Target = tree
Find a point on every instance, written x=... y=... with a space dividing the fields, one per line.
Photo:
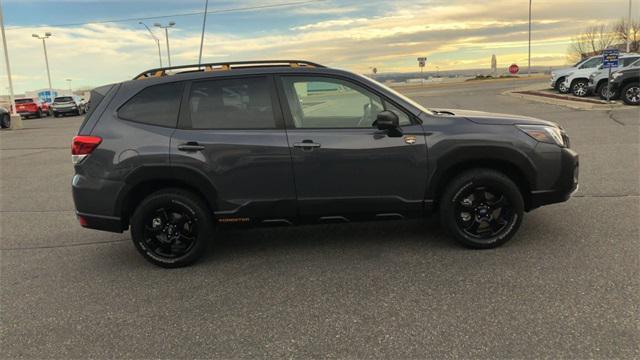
x=623 y=31
x=592 y=41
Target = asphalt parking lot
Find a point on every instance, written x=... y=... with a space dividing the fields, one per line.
x=567 y=286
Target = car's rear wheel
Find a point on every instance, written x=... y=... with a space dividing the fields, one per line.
x=580 y=88
x=481 y=208
x=172 y=228
x=631 y=94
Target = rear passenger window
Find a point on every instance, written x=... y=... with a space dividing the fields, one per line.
x=243 y=103
x=156 y=105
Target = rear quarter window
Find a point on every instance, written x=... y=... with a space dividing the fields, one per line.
x=155 y=105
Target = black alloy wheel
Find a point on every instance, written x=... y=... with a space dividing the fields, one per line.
x=171 y=228
x=483 y=212
x=482 y=208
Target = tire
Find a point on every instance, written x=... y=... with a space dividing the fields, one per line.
x=580 y=87
x=55 y=114
x=560 y=86
x=484 y=200
x=5 y=122
x=631 y=94
x=172 y=228
x=39 y=114
x=602 y=92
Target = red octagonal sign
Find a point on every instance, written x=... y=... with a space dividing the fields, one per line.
x=514 y=69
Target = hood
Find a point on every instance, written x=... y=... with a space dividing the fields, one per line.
x=486 y=118
x=562 y=72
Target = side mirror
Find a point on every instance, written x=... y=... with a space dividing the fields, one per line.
x=387 y=120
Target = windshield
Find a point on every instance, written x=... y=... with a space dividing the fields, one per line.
x=63 y=99
x=403 y=97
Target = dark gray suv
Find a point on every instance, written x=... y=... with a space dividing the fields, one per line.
x=178 y=152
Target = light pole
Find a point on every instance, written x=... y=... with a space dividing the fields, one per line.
x=16 y=120
x=46 y=58
x=166 y=36
x=529 y=67
x=68 y=83
x=156 y=39
x=204 y=23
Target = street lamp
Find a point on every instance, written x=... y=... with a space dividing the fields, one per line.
x=46 y=58
x=16 y=120
x=529 y=67
x=68 y=83
x=166 y=36
x=154 y=38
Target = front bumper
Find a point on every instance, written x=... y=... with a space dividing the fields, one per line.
x=565 y=186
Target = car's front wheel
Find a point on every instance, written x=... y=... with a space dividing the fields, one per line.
x=580 y=88
x=603 y=90
x=561 y=87
x=172 y=228
x=481 y=208
x=631 y=94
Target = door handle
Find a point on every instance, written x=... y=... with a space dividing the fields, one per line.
x=190 y=146
x=306 y=145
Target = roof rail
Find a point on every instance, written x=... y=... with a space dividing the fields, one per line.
x=164 y=71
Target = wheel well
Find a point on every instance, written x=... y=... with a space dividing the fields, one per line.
x=578 y=79
x=504 y=167
x=141 y=190
x=628 y=81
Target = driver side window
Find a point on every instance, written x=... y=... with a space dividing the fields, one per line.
x=321 y=102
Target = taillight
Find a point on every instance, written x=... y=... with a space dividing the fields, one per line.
x=83 y=146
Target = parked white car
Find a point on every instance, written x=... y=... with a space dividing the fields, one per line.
x=598 y=80
x=578 y=81
x=558 y=76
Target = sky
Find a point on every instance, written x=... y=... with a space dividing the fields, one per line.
x=353 y=35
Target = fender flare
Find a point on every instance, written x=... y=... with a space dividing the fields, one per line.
x=192 y=177
x=482 y=156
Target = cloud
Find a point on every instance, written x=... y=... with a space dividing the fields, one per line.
x=453 y=34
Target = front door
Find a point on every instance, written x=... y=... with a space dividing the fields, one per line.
x=343 y=165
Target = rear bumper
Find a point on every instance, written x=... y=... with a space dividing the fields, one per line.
x=100 y=222
x=65 y=110
x=95 y=202
x=566 y=185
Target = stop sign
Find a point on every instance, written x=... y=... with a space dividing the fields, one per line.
x=514 y=69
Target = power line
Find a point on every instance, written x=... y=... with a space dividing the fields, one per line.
x=218 y=11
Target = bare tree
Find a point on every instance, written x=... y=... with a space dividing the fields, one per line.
x=623 y=31
x=592 y=41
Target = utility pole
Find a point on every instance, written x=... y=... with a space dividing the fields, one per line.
x=16 y=120
x=156 y=40
x=166 y=36
x=68 y=83
x=46 y=59
x=204 y=23
x=529 y=67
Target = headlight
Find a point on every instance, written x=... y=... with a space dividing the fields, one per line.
x=616 y=75
x=542 y=133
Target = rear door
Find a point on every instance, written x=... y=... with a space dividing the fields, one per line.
x=343 y=165
x=232 y=129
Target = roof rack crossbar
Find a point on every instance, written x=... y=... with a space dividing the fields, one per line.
x=156 y=72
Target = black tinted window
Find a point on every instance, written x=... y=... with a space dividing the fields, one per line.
x=243 y=103
x=628 y=61
x=63 y=99
x=155 y=105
